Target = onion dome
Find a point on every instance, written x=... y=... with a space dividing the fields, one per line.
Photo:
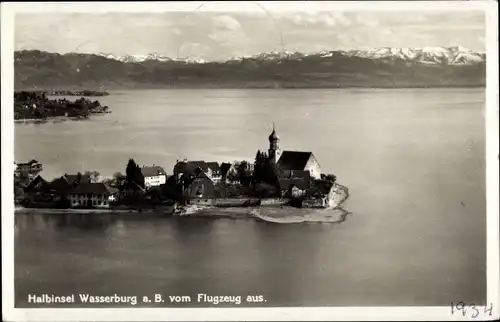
x=273 y=136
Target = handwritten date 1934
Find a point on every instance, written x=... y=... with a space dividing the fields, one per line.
x=472 y=309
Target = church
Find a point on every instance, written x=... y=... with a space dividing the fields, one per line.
x=290 y=162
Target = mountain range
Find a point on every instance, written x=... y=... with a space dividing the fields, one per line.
x=381 y=67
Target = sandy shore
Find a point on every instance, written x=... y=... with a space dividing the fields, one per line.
x=48 y=211
x=275 y=214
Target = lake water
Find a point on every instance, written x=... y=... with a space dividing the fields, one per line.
x=413 y=159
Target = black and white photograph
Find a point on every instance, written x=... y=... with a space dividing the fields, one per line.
x=250 y=161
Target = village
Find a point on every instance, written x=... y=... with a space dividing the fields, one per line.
x=275 y=177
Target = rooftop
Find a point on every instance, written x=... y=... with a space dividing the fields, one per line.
x=32 y=162
x=294 y=160
x=152 y=171
x=74 y=178
x=286 y=184
x=190 y=166
x=94 y=188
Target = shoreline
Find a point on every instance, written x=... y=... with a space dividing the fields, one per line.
x=279 y=214
x=57 y=118
x=272 y=87
x=66 y=92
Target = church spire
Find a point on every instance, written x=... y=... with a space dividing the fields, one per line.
x=274 y=150
x=273 y=136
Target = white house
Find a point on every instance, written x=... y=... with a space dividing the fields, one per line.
x=92 y=195
x=153 y=176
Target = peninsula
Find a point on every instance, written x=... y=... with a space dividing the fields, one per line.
x=276 y=178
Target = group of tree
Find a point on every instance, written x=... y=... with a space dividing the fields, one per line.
x=36 y=105
x=116 y=181
x=264 y=170
x=262 y=181
x=133 y=174
x=329 y=177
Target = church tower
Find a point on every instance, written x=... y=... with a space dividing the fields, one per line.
x=274 y=149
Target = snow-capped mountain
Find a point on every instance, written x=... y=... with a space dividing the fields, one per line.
x=425 y=55
x=384 y=67
x=151 y=56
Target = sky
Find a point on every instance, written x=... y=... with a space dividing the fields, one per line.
x=214 y=35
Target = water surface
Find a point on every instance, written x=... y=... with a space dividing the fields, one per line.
x=413 y=159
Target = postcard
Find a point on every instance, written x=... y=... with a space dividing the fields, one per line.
x=250 y=161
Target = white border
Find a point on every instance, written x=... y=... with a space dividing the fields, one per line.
x=247 y=314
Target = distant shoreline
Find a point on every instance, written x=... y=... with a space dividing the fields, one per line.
x=65 y=92
x=51 y=119
x=255 y=86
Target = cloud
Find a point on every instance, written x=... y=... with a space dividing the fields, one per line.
x=225 y=36
x=150 y=20
x=416 y=18
x=367 y=19
x=326 y=19
x=215 y=35
x=317 y=19
x=388 y=32
x=227 y=32
x=341 y=19
x=226 y=22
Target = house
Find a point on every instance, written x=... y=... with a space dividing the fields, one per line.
x=201 y=190
x=154 y=176
x=37 y=190
x=191 y=169
x=33 y=167
x=36 y=186
x=294 y=183
x=320 y=195
x=60 y=187
x=91 y=195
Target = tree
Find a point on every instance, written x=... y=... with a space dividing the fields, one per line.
x=258 y=174
x=224 y=168
x=330 y=177
x=130 y=170
x=265 y=190
x=94 y=175
x=270 y=172
x=243 y=173
x=155 y=195
x=139 y=177
x=119 y=178
x=232 y=174
x=133 y=174
x=116 y=181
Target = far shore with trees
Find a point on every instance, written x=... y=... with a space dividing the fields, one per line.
x=37 y=105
